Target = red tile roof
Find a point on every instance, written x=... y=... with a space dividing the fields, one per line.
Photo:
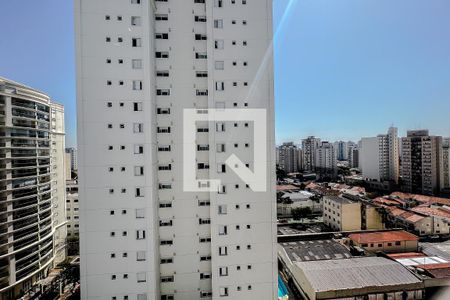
x=406 y=255
x=287 y=187
x=386 y=236
x=422 y=198
x=432 y=211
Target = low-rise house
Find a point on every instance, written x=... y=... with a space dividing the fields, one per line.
x=386 y=241
x=300 y=199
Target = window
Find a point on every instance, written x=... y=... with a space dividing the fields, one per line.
x=162 y=54
x=223 y=291
x=138 y=127
x=161 y=17
x=136 y=42
x=220 y=148
x=200 y=37
x=140 y=213
x=138 y=149
x=167 y=278
x=140 y=256
x=201 y=74
x=161 y=36
x=137 y=85
x=141 y=296
x=220 y=85
x=205 y=275
x=219 y=65
x=223 y=230
x=218 y=44
x=223 y=271
x=136 y=21
x=163 y=92
x=136 y=63
x=222 y=209
x=223 y=251
x=139 y=192
x=220 y=127
x=200 y=18
x=162 y=73
x=218 y=3
x=137 y=106
x=166 y=260
x=218 y=23
x=201 y=55
x=107 y=18
x=221 y=168
x=141 y=277
x=138 y=170
x=135 y=1
x=140 y=234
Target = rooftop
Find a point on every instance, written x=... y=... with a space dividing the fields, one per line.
x=338 y=199
x=313 y=250
x=286 y=187
x=432 y=211
x=385 y=236
x=356 y=273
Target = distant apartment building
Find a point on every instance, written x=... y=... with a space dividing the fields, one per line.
x=341 y=149
x=325 y=159
x=379 y=157
x=32 y=185
x=72 y=209
x=309 y=147
x=343 y=214
x=288 y=156
x=422 y=163
x=353 y=157
x=72 y=152
x=446 y=163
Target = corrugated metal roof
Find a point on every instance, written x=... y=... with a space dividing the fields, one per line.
x=353 y=273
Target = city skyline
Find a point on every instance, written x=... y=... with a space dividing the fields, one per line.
x=405 y=64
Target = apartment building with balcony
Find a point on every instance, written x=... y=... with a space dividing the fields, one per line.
x=72 y=209
x=32 y=187
x=140 y=64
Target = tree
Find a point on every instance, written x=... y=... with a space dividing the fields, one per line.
x=301 y=212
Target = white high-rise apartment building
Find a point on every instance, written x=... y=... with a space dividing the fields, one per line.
x=379 y=157
x=140 y=64
x=32 y=187
x=309 y=147
x=73 y=158
x=325 y=159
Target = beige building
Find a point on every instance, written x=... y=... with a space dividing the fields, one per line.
x=341 y=214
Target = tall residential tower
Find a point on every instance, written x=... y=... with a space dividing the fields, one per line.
x=141 y=64
x=32 y=187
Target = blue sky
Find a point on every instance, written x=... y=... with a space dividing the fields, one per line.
x=344 y=69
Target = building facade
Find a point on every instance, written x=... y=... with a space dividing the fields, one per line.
x=140 y=64
x=379 y=157
x=446 y=163
x=309 y=147
x=341 y=214
x=32 y=184
x=325 y=160
x=422 y=163
x=73 y=209
x=288 y=155
x=72 y=152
